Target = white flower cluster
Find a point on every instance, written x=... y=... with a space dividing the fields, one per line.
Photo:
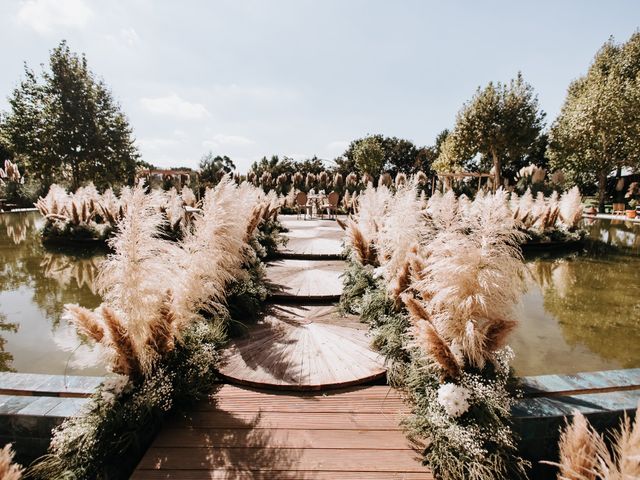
x=454 y=399
x=112 y=387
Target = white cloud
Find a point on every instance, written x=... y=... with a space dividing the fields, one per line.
x=173 y=105
x=46 y=16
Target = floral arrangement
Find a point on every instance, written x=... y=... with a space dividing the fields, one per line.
x=553 y=218
x=166 y=311
x=436 y=281
x=89 y=215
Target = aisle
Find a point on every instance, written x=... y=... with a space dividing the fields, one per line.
x=304 y=343
x=328 y=432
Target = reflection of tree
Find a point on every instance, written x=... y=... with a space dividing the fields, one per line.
x=596 y=300
x=20 y=266
x=5 y=357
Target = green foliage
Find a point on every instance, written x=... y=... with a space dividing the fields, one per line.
x=357 y=280
x=107 y=441
x=399 y=155
x=369 y=156
x=67 y=126
x=270 y=238
x=23 y=195
x=56 y=232
x=246 y=296
x=501 y=123
x=598 y=129
x=213 y=168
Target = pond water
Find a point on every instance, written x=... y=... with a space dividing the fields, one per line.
x=35 y=283
x=581 y=310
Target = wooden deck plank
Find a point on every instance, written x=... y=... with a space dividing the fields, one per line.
x=310 y=420
x=285 y=438
x=165 y=474
x=258 y=458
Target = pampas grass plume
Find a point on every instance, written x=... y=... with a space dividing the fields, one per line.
x=8 y=469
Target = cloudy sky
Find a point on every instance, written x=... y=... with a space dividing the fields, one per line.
x=300 y=77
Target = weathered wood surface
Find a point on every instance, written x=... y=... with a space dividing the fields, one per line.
x=302 y=348
x=305 y=280
x=312 y=239
x=244 y=433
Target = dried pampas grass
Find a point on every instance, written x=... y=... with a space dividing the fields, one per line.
x=8 y=469
x=584 y=454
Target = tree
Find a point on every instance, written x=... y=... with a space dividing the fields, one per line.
x=369 y=156
x=500 y=123
x=448 y=160
x=598 y=129
x=212 y=168
x=67 y=125
x=399 y=155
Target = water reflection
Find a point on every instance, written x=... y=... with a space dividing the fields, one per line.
x=622 y=234
x=17 y=226
x=34 y=286
x=582 y=310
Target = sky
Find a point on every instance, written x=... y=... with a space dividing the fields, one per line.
x=248 y=78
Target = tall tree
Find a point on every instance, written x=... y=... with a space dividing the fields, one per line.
x=500 y=123
x=67 y=125
x=400 y=155
x=598 y=129
x=213 y=168
x=368 y=155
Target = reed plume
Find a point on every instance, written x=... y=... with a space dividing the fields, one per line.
x=584 y=454
x=571 y=207
x=213 y=251
x=578 y=445
x=162 y=329
x=473 y=273
x=134 y=279
x=126 y=358
x=86 y=321
x=385 y=180
x=416 y=310
x=426 y=336
x=8 y=469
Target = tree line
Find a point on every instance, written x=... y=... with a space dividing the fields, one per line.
x=65 y=126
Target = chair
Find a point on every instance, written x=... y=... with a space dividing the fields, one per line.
x=332 y=204
x=301 y=203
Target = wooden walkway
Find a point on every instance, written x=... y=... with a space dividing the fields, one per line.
x=312 y=239
x=247 y=434
x=301 y=346
x=305 y=280
x=308 y=347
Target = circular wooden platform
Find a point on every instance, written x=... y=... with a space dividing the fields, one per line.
x=312 y=239
x=305 y=280
x=302 y=348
